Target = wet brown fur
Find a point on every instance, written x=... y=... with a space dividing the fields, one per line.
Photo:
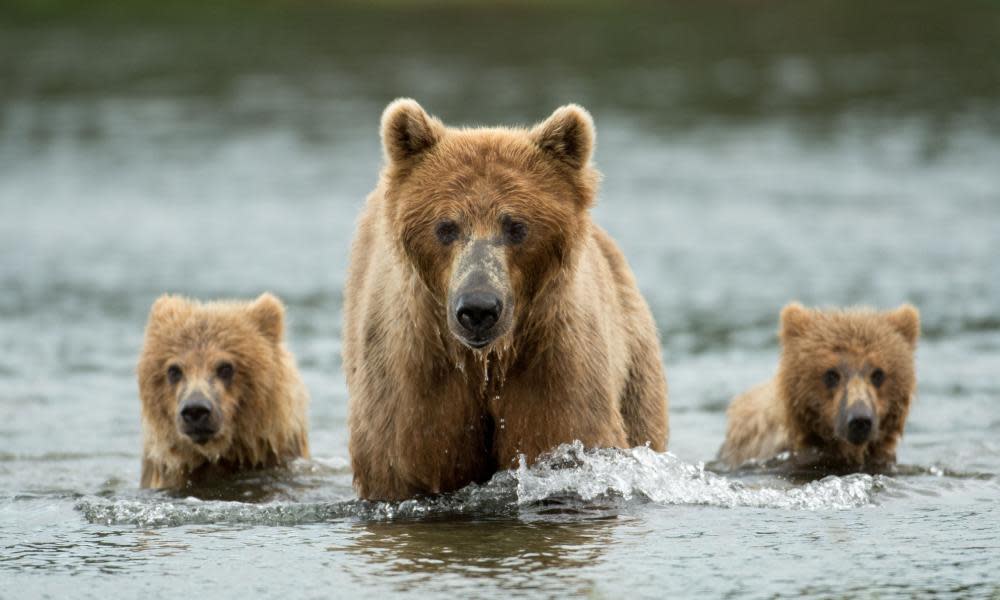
x=582 y=357
x=264 y=420
x=796 y=412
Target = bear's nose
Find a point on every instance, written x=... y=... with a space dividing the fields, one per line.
x=478 y=311
x=858 y=429
x=196 y=412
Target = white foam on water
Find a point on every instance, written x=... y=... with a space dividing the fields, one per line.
x=570 y=475
x=662 y=478
x=191 y=511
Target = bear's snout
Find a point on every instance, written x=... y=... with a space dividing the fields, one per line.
x=858 y=429
x=479 y=295
x=477 y=312
x=197 y=418
x=858 y=422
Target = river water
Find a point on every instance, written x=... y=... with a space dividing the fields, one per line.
x=753 y=153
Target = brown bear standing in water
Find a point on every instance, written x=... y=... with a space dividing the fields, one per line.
x=485 y=314
x=220 y=393
x=841 y=395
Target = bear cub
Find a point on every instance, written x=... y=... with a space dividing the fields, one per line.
x=220 y=393
x=841 y=395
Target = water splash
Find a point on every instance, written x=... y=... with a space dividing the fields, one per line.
x=642 y=474
x=572 y=477
x=156 y=512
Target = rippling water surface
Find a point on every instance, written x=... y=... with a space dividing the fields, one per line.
x=834 y=153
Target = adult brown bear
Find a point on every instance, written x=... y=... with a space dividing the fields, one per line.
x=486 y=316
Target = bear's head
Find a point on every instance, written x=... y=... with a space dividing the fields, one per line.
x=847 y=378
x=206 y=373
x=488 y=218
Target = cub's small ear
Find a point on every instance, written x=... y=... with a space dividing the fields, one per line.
x=795 y=320
x=567 y=135
x=269 y=313
x=408 y=131
x=166 y=307
x=906 y=320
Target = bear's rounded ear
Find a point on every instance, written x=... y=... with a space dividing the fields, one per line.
x=567 y=135
x=166 y=307
x=795 y=320
x=906 y=320
x=408 y=131
x=269 y=314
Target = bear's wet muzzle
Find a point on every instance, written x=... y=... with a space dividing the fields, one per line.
x=857 y=421
x=198 y=418
x=479 y=297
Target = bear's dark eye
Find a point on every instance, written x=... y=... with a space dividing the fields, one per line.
x=831 y=378
x=514 y=231
x=224 y=371
x=174 y=374
x=446 y=231
x=878 y=377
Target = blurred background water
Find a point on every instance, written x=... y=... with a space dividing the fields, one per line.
x=754 y=153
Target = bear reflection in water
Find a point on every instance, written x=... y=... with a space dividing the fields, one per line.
x=502 y=550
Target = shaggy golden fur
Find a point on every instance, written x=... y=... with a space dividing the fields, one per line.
x=260 y=399
x=830 y=361
x=575 y=353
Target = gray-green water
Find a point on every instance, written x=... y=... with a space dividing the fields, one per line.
x=753 y=153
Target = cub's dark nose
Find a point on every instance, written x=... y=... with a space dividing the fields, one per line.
x=477 y=312
x=197 y=418
x=859 y=427
x=196 y=413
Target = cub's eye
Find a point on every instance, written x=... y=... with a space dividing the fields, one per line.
x=174 y=374
x=878 y=377
x=514 y=231
x=446 y=231
x=831 y=378
x=224 y=371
